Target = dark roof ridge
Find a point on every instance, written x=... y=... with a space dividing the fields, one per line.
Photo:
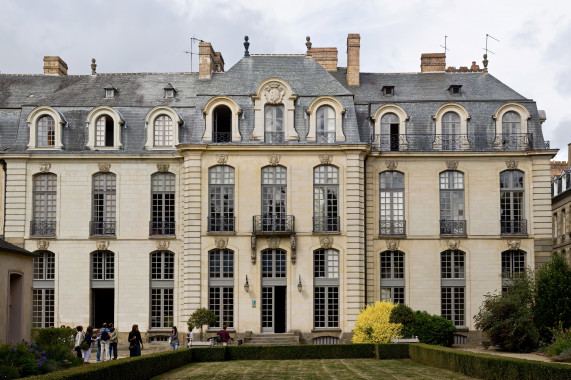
x=98 y=74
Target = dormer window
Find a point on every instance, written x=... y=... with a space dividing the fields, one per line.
x=455 y=88
x=110 y=92
x=388 y=90
x=169 y=91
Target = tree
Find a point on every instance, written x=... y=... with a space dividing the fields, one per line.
x=373 y=324
x=201 y=317
x=553 y=296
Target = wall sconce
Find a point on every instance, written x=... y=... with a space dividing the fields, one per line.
x=247 y=285
x=299 y=285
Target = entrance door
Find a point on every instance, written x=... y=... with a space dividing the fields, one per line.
x=274 y=291
x=102 y=306
x=14 y=332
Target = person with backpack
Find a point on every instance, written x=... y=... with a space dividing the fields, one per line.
x=113 y=340
x=224 y=336
x=104 y=341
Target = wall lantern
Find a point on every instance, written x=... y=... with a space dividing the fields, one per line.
x=247 y=285
x=299 y=285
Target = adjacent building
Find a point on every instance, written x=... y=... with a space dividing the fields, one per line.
x=561 y=207
x=284 y=194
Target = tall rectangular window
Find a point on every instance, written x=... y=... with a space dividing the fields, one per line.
x=453 y=279
x=162 y=289
x=513 y=263
x=103 y=265
x=511 y=203
x=44 y=205
x=326 y=199
x=391 y=203
x=274 y=124
x=43 y=307
x=221 y=286
x=274 y=200
x=46 y=131
x=392 y=276
x=221 y=196
x=163 y=131
x=163 y=204
x=452 y=218
x=326 y=288
x=104 y=204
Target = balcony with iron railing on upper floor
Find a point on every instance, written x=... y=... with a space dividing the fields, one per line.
x=452 y=227
x=513 y=227
x=162 y=228
x=322 y=224
x=42 y=228
x=392 y=227
x=221 y=137
x=221 y=224
x=325 y=137
x=273 y=225
x=452 y=142
x=274 y=137
x=101 y=228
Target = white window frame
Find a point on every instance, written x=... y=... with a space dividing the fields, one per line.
x=330 y=282
x=312 y=112
x=43 y=285
x=208 y=112
x=454 y=281
x=464 y=117
x=162 y=284
x=499 y=116
x=152 y=115
x=91 y=123
x=32 y=121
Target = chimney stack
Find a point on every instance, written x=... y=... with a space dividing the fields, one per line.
x=54 y=65
x=209 y=61
x=326 y=57
x=430 y=62
x=353 y=47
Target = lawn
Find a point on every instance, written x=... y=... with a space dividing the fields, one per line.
x=311 y=369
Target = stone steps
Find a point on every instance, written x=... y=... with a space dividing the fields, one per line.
x=285 y=339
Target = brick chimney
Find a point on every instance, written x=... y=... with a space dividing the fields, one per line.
x=326 y=57
x=54 y=65
x=209 y=61
x=430 y=62
x=353 y=47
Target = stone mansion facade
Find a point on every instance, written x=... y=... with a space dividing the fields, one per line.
x=284 y=194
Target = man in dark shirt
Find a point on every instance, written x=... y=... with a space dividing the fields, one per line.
x=224 y=336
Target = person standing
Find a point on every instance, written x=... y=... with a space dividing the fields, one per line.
x=189 y=337
x=98 y=340
x=173 y=339
x=88 y=340
x=104 y=341
x=113 y=340
x=79 y=337
x=135 y=341
x=224 y=336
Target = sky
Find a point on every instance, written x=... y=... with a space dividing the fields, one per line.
x=532 y=56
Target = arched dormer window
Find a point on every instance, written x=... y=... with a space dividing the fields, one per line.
x=162 y=125
x=104 y=124
x=511 y=127
x=45 y=128
x=451 y=128
x=325 y=120
x=222 y=115
x=390 y=128
x=272 y=95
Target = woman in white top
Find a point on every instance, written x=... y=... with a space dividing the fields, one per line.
x=78 y=339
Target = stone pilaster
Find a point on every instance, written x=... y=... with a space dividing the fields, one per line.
x=15 y=222
x=371 y=226
x=541 y=212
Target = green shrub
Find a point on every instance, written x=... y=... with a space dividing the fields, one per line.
x=553 y=296
x=201 y=317
x=433 y=329
x=405 y=316
x=53 y=336
x=373 y=324
x=507 y=317
x=560 y=349
x=26 y=359
x=300 y=352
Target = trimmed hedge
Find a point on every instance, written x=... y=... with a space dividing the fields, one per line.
x=487 y=366
x=51 y=336
x=318 y=351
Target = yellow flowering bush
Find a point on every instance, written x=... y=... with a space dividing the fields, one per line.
x=373 y=324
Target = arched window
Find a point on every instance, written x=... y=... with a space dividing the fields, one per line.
x=44 y=206
x=452 y=218
x=392 y=276
x=513 y=263
x=162 y=289
x=325 y=125
x=104 y=131
x=274 y=201
x=274 y=126
x=511 y=203
x=46 y=131
x=391 y=203
x=325 y=199
x=511 y=123
x=222 y=128
x=451 y=131
x=163 y=131
x=163 y=187
x=221 y=286
x=43 y=307
x=326 y=288
x=453 y=292
x=390 y=137
x=104 y=205
x=221 y=197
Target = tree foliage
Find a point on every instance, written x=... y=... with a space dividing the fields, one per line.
x=201 y=317
x=433 y=329
x=373 y=324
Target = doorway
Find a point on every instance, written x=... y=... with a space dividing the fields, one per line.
x=102 y=306
x=395 y=138
x=14 y=332
x=274 y=302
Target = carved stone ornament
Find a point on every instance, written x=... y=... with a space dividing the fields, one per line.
x=274 y=159
x=104 y=167
x=325 y=159
x=514 y=244
x=273 y=242
x=293 y=241
x=392 y=245
x=391 y=165
x=162 y=167
x=222 y=159
x=45 y=167
x=253 y=242
x=326 y=241
x=221 y=243
x=293 y=257
x=102 y=245
x=452 y=165
x=162 y=245
x=453 y=244
x=512 y=164
x=274 y=93
x=43 y=245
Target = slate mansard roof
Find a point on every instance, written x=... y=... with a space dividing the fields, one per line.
x=419 y=94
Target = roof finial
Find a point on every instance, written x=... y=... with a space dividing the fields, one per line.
x=485 y=62
x=308 y=44
x=246 y=45
x=93 y=66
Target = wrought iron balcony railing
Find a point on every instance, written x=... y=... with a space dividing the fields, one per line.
x=392 y=227
x=513 y=227
x=274 y=137
x=221 y=137
x=270 y=224
x=326 y=224
x=223 y=224
x=42 y=227
x=451 y=142
x=98 y=228
x=325 y=137
x=452 y=227
x=162 y=228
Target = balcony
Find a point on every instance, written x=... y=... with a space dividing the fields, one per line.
x=326 y=224
x=43 y=228
x=221 y=137
x=513 y=227
x=392 y=227
x=325 y=137
x=451 y=142
x=224 y=224
x=273 y=225
x=162 y=228
x=274 y=137
x=98 y=228
x=452 y=227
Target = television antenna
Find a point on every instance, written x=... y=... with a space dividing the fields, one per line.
x=445 y=48
x=193 y=40
x=486 y=48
